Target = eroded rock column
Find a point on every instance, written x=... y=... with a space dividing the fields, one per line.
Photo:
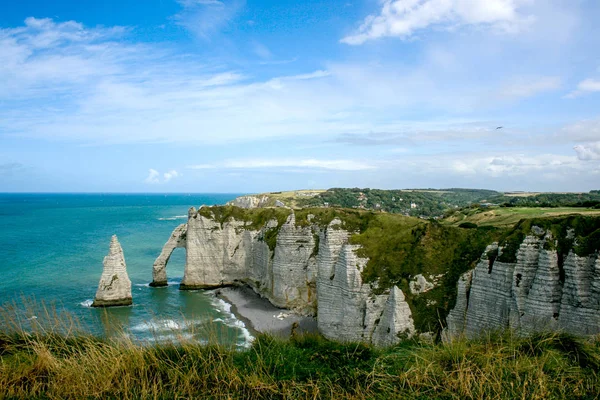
x=114 y=288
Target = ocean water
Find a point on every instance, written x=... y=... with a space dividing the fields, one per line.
x=51 y=252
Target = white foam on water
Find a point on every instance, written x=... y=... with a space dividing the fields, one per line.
x=173 y=218
x=161 y=325
x=87 y=303
x=231 y=321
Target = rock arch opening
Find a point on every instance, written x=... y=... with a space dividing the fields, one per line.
x=159 y=269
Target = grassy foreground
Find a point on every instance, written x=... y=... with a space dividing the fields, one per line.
x=496 y=367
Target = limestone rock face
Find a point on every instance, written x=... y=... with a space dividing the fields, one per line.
x=177 y=239
x=457 y=316
x=249 y=201
x=228 y=254
x=347 y=309
x=114 y=288
x=538 y=292
x=396 y=320
x=294 y=268
x=216 y=255
x=420 y=285
x=311 y=270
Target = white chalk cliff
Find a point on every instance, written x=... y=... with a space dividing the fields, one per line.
x=114 y=288
x=541 y=291
x=159 y=271
x=312 y=270
x=316 y=270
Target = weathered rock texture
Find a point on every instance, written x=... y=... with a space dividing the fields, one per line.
x=249 y=201
x=541 y=291
x=309 y=269
x=159 y=271
x=114 y=288
x=347 y=309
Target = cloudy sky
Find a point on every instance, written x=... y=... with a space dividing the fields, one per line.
x=258 y=95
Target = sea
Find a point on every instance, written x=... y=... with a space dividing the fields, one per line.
x=51 y=252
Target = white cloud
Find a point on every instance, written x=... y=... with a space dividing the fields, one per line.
x=335 y=165
x=529 y=87
x=589 y=151
x=170 y=175
x=584 y=131
x=507 y=165
x=153 y=176
x=201 y=166
x=585 y=87
x=88 y=88
x=205 y=18
x=402 y=18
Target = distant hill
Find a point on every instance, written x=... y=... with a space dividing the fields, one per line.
x=424 y=203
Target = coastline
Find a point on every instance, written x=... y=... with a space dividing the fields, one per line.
x=260 y=316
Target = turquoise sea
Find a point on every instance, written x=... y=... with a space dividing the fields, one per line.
x=51 y=252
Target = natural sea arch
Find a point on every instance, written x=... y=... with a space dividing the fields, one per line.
x=159 y=270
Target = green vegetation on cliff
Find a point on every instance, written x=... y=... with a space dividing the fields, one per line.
x=591 y=199
x=574 y=232
x=413 y=202
x=428 y=202
x=509 y=216
x=399 y=247
x=51 y=366
x=254 y=218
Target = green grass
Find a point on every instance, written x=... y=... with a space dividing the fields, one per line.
x=548 y=366
x=254 y=218
x=585 y=238
x=510 y=216
x=399 y=248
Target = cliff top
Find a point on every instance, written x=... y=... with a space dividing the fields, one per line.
x=424 y=203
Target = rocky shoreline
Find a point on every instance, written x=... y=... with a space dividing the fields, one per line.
x=260 y=316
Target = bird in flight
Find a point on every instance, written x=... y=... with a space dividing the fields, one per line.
x=499 y=127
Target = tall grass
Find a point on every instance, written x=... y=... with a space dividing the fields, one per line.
x=69 y=364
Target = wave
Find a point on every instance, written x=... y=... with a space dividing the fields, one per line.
x=87 y=303
x=173 y=218
x=161 y=325
x=231 y=321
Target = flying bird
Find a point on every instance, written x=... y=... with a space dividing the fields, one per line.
x=499 y=127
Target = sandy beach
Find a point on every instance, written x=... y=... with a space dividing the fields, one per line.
x=261 y=316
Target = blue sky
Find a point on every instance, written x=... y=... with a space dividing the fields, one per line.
x=251 y=96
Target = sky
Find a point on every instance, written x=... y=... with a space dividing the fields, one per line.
x=257 y=95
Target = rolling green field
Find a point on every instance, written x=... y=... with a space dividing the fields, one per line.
x=509 y=216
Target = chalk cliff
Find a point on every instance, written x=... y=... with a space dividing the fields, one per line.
x=308 y=268
x=347 y=308
x=249 y=201
x=114 y=288
x=159 y=269
x=416 y=280
x=544 y=289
